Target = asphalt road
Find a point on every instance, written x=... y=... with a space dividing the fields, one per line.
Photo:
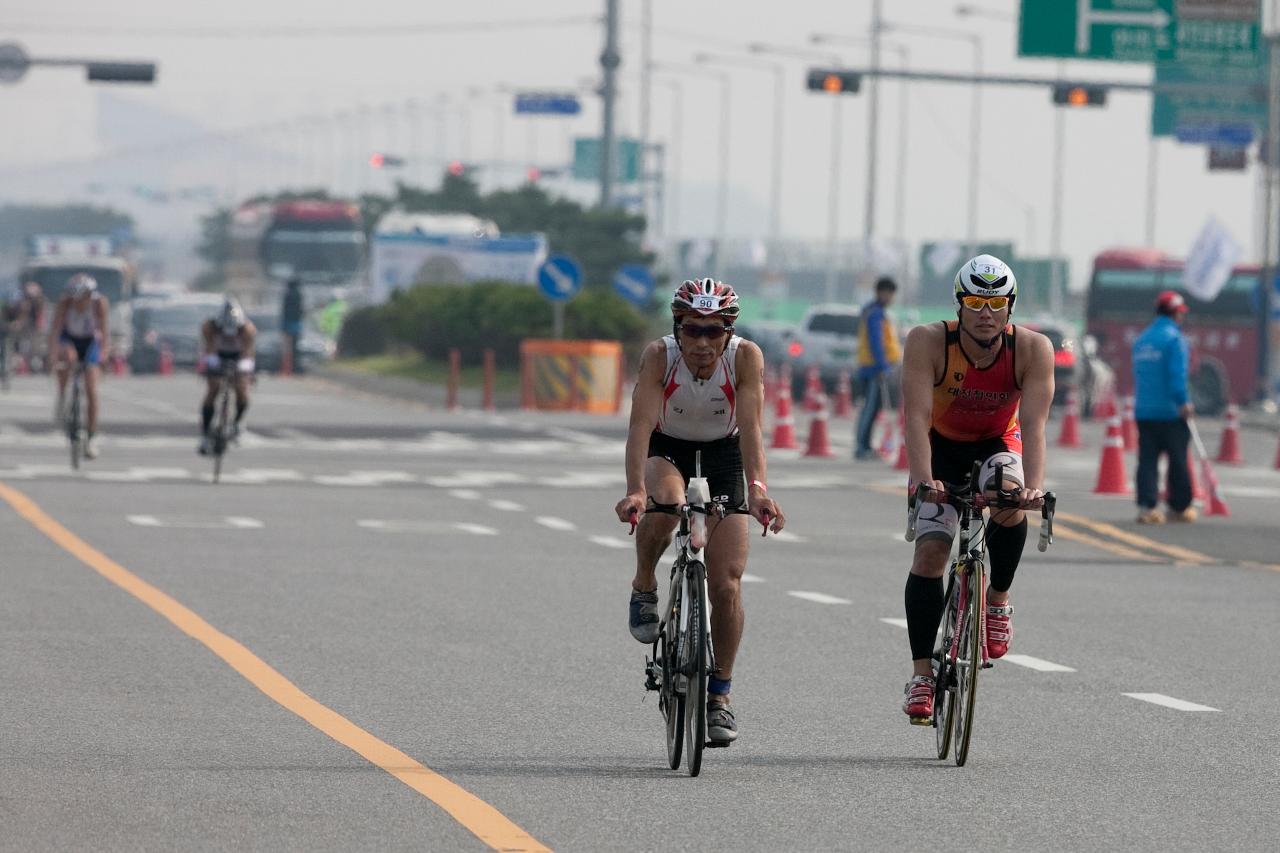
x=394 y=627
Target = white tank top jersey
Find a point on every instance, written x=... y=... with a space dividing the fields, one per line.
x=699 y=409
x=81 y=323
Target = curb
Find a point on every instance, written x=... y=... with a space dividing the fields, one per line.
x=428 y=394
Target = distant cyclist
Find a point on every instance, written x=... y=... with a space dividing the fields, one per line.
x=27 y=324
x=976 y=388
x=700 y=389
x=229 y=336
x=77 y=334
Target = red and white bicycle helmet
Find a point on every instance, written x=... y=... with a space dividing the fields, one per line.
x=705 y=297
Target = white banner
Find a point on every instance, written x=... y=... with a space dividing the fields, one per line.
x=398 y=261
x=1210 y=261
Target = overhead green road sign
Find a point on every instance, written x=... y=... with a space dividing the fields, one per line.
x=1113 y=30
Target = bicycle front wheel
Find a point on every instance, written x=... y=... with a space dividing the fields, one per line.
x=944 y=671
x=221 y=432
x=73 y=428
x=968 y=663
x=670 y=698
x=697 y=661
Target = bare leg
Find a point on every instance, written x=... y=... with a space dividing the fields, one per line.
x=726 y=560
x=664 y=485
x=91 y=375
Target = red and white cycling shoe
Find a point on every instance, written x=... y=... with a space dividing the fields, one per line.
x=999 y=630
x=919 y=702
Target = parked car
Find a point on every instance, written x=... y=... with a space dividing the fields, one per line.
x=313 y=348
x=1076 y=364
x=172 y=323
x=774 y=337
x=828 y=338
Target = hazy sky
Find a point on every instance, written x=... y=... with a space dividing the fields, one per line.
x=254 y=73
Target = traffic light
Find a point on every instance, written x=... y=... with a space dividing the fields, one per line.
x=532 y=174
x=1079 y=96
x=457 y=168
x=834 y=81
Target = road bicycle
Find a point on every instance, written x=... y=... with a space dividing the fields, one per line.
x=71 y=415
x=683 y=656
x=962 y=648
x=222 y=430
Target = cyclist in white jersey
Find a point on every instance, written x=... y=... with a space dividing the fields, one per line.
x=699 y=389
x=230 y=336
x=77 y=333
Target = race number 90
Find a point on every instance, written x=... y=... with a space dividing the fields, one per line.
x=705 y=302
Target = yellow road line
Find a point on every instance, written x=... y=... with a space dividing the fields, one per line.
x=1175 y=551
x=483 y=820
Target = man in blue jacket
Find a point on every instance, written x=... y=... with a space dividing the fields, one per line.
x=878 y=356
x=1161 y=408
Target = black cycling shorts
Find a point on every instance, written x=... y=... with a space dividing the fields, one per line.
x=953 y=460
x=721 y=465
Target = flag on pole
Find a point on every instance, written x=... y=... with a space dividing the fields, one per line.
x=1210 y=261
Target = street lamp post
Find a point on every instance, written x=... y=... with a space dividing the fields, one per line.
x=837 y=123
x=722 y=195
x=671 y=160
x=779 y=98
x=975 y=111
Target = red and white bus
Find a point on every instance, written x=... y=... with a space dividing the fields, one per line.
x=1226 y=335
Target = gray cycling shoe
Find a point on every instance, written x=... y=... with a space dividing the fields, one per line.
x=642 y=616
x=721 y=728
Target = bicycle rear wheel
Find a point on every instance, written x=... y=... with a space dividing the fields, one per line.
x=670 y=698
x=970 y=661
x=696 y=665
x=944 y=671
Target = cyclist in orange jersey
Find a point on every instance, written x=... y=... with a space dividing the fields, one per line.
x=976 y=388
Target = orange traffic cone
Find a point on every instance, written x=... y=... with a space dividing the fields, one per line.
x=812 y=389
x=1197 y=491
x=166 y=361
x=1070 y=435
x=784 y=426
x=1229 y=449
x=819 y=443
x=1130 y=427
x=902 y=463
x=1111 y=475
x=1105 y=408
x=844 y=396
x=1217 y=506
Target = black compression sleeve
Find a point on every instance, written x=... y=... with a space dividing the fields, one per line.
x=924 y=612
x=1004 y=547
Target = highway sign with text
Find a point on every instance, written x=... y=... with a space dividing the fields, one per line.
x=547 y=103
x=1114 y=30
x=560 y=278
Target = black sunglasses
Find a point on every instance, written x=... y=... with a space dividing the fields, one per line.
x=713 y=333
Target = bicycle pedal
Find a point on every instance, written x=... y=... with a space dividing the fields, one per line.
x=718 y=744
x=988 y=665
x=921 y=721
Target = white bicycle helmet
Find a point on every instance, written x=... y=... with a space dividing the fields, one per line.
x=986 y=275
x=705 y=297
x=81 y=284
x=230 y=319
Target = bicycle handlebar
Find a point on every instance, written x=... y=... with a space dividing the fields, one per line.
x=972 y=498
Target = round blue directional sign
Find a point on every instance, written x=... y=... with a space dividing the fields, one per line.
x=559 y=278
x=634 y=283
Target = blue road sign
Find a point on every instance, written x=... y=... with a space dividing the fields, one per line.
x=559 y=278
x=1225 y=135
x=547 y=103
x=634 y=283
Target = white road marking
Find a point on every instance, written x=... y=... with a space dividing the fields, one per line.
x=412 y=525
x=478 y=529
x=818 y=597
x=1036 y=663
x=891 y=620
x=197 y=522
x=785 y=536
x=555 y=523
x=1170 y=702
x=610 y=542
x=750 y=578
x=506 y=506
x=584 y=480
x=465 y=494
x=475 y=479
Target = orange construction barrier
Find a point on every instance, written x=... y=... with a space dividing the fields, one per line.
x=584 y=376
x=819 y=443
x=1070 y=435
x=1111 y=474
x=1229 y=448
x=813 y=391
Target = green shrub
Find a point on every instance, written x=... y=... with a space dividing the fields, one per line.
x=364 y=332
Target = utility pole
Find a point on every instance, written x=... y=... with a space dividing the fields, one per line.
x=609 y=61
x=1269 y=351
x=873 y=120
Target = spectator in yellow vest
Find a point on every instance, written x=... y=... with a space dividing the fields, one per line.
x=878 y=357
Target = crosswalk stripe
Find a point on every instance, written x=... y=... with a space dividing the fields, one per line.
x=1170 y=702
